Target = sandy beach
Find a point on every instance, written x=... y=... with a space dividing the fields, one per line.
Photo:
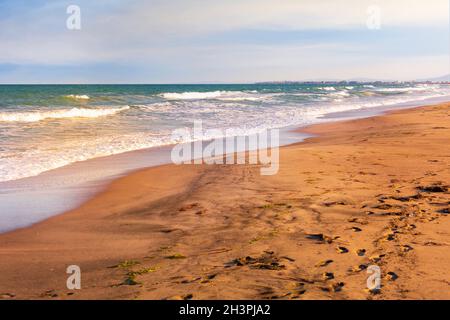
x=361 y=193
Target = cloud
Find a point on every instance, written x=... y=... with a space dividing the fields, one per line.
x=188 y=35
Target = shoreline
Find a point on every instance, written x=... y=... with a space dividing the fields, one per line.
x=187 y=241
x=90 y=177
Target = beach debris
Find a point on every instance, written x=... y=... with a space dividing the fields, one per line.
x=130 y=281
x=356 y=229
x=444 y=211
x=265 y=262
x=143 y=271
x=7 y=295
x=341 y=249
x=324 y=263
x=125 y=264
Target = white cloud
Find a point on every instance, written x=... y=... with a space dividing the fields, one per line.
x=158 y=32
x=210 y=16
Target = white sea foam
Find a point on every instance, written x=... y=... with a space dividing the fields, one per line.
x=401 y=90
x=217 y=95
x=242 y=99
x=151 y=122
x=42 y=158
x=35 y=116
x=343 y=93
x=193 y=95
x=78 y=96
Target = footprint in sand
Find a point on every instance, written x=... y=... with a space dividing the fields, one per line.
x=321 y=237
x=189 y=207
x=268 y=261
x=185 y=297
x=373 y=291
x=357 y=220
x=324 y=263
x=406 y=248
x=359 y=268
x=376 y=258
x=341 y=249
x=328 y=276
x=334 y=287
x=390 y=237
x=392 y=276
x=436 y=188
x=50 y=293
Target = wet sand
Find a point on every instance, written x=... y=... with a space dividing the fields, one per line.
x=368 y=192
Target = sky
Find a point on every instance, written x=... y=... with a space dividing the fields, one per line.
x=223 y=41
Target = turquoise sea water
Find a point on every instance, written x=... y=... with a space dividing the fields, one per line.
x=43 y=127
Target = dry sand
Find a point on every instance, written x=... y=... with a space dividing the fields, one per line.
x=363 y=192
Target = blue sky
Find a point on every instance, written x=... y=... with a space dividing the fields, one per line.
x=198 y=41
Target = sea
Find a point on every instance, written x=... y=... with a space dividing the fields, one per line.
x=44 y=128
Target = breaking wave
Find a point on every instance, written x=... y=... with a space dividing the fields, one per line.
x=78 y=96
x=218 y=95
x=35 y=116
